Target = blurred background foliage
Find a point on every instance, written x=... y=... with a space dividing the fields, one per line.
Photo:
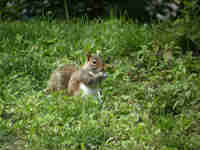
x=184 y=13
x=140 y=9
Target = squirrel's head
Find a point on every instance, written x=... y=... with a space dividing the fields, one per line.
x=94 y=63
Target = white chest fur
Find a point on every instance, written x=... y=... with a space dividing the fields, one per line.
x=88 y=90
x=91 y=91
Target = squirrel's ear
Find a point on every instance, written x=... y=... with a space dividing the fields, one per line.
x=88 y=56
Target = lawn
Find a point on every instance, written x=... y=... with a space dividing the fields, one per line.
x=151 y=98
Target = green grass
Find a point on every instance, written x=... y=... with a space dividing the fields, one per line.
x=151 y=96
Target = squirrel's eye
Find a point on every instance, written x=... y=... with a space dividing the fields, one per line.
x=94 y=61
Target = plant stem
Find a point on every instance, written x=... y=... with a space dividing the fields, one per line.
x=66 y=10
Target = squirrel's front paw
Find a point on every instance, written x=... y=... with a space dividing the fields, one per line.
x=100 y=74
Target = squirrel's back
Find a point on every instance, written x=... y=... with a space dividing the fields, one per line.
x=59 y=79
